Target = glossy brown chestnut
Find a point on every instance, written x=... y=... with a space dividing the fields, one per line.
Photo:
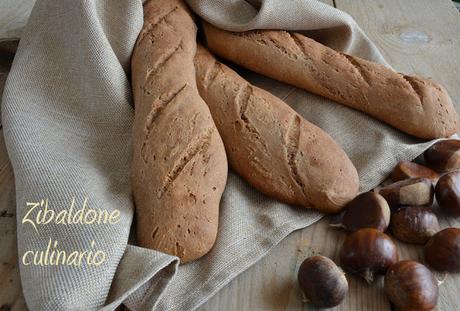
x=322 y=282
x=367 y=210
x=414 y=224
x=448 y=193
x=444 y=156
x=367 y=252
x=413 y=191
x=442 y=252
x=407 y=169
x=409 y=285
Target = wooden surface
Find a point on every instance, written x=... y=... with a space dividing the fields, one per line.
x=420 y=37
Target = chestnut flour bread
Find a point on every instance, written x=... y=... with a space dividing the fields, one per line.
x=414 y=105
x=179 y=164
x=271 y=146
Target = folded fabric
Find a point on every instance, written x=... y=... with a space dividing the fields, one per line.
x=67 y=116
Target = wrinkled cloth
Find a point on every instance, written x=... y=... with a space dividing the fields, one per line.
x=67 y=115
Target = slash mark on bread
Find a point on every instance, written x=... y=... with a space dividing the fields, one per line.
x=154 y=233
x=196 y=146
x=299 y=45
x=157 y=107
x=292 y=149
x=165 y=16
x=147 y=29
x=412 y=83
x=212 y=74
x=165 y=57
x=267 y=39
x=359 y=69
x=242 y=99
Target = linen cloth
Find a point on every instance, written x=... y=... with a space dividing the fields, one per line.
x=67 y=114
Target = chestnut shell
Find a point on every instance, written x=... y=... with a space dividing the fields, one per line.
x=367 y=252
x=322 y=282
x=408 y=169
x=442 y=252
x=448 y=193
x=409 y=285
x=367 y=210
x=443 y=156
x=414 y=224
x=412 y=191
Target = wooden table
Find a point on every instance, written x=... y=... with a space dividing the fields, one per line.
x=421 y=37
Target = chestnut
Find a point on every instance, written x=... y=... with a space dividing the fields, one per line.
x=409 y=285
x=367 y=210
x=408 y=169
x=367 y=252
x=414 y=224
x=413 y=191
x=448 y=193
x=442 y=252
x=322 y=282
x=444 y=156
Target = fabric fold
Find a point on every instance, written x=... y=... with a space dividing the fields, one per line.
x=318 y=20
x=141 y=271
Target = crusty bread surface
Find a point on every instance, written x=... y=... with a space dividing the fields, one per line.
x=270 y=145
x=179 y=162
x=417 y=106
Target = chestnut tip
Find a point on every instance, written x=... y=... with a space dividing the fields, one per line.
x=322 y=282
x=368 y=252
x=367 y=210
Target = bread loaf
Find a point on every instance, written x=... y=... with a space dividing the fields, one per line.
x=179 y=162
x=270 y=145
x=414 y=105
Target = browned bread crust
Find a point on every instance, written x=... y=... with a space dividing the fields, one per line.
x=179 y=162
x=271 y=146
x=414 y=105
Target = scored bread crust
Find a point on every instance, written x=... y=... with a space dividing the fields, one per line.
x=270 y=145
x=179 y=164
x=417 y=106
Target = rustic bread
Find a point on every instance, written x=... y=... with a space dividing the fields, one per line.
x=414 y=105
x=179 y=162
x=270 y=145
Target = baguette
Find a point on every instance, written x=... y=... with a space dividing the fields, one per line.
x=271 y=146
x=417 y=106
x=179 y=162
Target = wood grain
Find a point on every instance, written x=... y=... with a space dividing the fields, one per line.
x=10 y=287
x=415 y=37
x=11 y=297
